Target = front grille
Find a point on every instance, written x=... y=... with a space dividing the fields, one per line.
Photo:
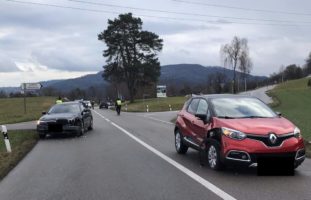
x=55 y=127
x=265 y=139
x=62 y=121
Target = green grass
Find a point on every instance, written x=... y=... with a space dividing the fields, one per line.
x=12 y=109
x=156 y=104
x=21 y=142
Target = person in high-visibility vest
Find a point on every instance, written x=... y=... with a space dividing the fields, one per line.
x=118 y=105
x=59 y=100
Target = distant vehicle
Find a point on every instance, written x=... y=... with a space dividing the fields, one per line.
x=236 y=130
x=65 y=118
x=106 y=104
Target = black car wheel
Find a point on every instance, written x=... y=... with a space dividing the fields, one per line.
x=91 y=125
x=213 y=155
x=180 y=147
x=81 y=129
x=42 y=136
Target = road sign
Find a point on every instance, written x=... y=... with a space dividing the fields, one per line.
x=31 y=86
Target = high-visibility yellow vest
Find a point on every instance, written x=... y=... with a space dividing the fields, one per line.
x=58 y=101
x=119 y=102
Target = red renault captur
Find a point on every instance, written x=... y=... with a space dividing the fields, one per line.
x=235 y=129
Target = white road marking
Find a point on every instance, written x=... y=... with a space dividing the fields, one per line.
x=222 y=194
x=166 y=122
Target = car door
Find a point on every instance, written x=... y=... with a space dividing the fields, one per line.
x=200 y=127
x=188 y=118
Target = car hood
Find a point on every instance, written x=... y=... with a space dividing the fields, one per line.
x=260 y=126
x=58 y=116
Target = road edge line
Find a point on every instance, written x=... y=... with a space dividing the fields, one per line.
x=220 y=193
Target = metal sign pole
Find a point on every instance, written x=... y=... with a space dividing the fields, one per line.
x=25 y=99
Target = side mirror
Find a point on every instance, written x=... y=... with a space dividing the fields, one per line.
x=202 y=117
x=44 y=113
x=279 y=114
x=85 y=111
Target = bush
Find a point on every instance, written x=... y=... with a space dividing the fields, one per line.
x=309 y=82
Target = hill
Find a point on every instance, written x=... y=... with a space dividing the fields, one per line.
x=194 y=74
x=83 y=82
x=191 y=74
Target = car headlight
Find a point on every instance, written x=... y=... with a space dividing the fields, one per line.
x=297 y=133
x=39 y=122
x=233 y=134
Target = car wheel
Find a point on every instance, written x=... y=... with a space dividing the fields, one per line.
x=82 y=129
x=213 y=155
x=42 y=136
x=91 y=125
x=180 y=147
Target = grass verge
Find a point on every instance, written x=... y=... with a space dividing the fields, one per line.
x=155 y=104
x=12 y=109
x=22 y=142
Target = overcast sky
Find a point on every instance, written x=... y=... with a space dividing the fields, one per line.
x=44 y=43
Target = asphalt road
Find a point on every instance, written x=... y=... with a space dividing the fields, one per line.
x=260 y=93
x=132 y=156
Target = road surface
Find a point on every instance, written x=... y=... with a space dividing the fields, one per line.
x=260 y=93
x=132 y=156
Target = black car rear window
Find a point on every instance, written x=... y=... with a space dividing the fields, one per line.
x=65 y=108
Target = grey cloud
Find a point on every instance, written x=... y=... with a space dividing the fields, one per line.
x=177 y=27
x=66 y=39
x=6 y=64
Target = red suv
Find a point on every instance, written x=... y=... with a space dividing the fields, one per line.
x=235 y=129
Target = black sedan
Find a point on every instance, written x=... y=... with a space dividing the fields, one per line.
x=65 y=118
x=106 y=104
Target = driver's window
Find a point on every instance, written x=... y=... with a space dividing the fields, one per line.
x=192 y=108
x=202 y=107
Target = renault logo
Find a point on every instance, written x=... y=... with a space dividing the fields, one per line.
x=272 y=138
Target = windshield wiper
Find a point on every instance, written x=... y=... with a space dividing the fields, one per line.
x=253 y=116
x=226 y=117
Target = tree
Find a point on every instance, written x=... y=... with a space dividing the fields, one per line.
x=307 y=67
x=281 y=71
x=131 y=53
x=293 y=72
x=231 y=55
x=245 y=66
x=3 y=94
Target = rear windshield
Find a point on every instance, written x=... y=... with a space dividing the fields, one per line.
x=241 y=107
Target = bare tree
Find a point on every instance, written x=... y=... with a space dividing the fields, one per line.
x=231 y=55
x=282 y=69
x=245 y=66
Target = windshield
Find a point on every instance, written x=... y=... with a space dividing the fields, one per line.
x=243 y=107
x=65 y=108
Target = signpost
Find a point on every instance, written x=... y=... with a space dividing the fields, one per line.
x=29 y=87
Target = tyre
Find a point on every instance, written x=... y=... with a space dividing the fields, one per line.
x=42 y=136
x=180 y=147
x=81 y=130
x=213 y=155
x=91 y=125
